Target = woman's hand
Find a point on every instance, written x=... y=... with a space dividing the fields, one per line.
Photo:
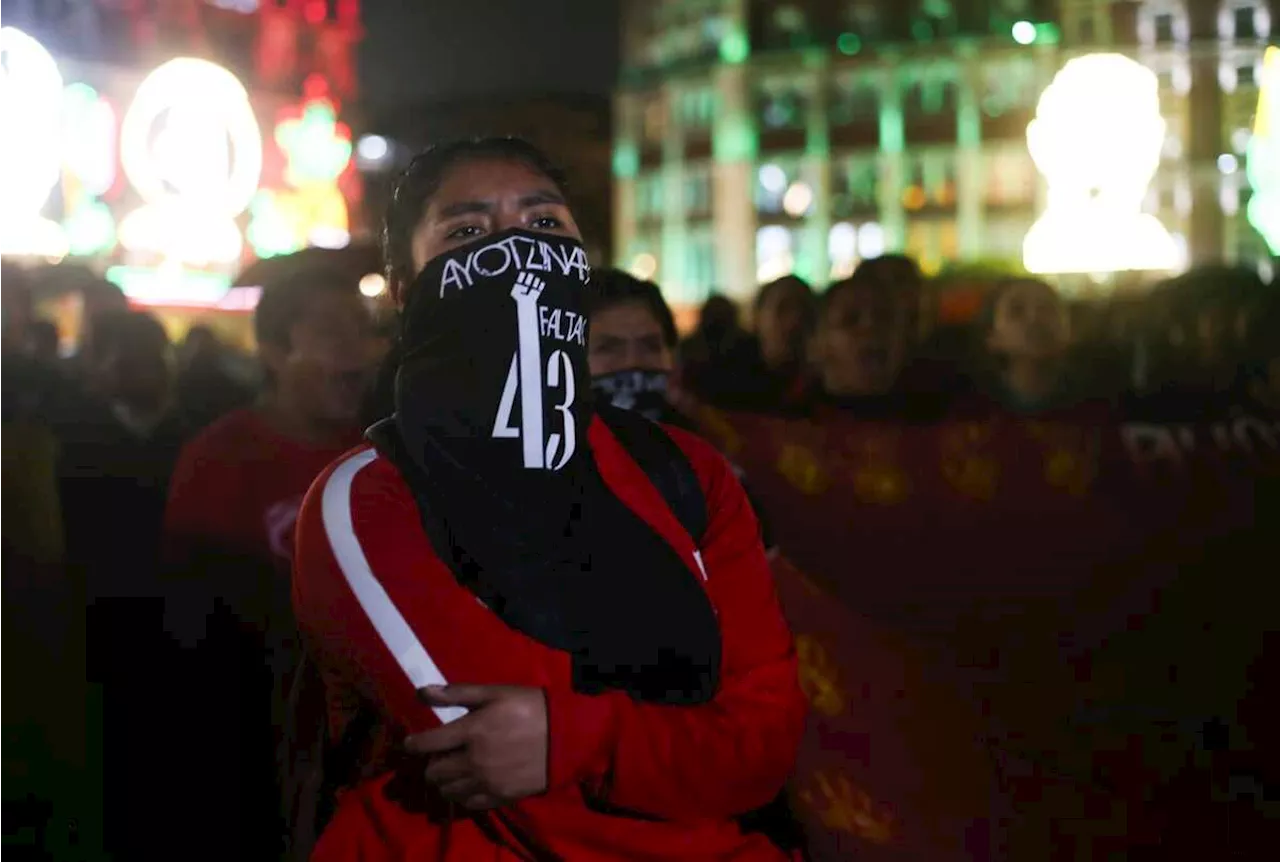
x=495 y=754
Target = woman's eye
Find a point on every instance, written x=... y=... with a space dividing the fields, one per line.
x=466 y=231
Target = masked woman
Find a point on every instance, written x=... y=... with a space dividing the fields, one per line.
x=569 y=674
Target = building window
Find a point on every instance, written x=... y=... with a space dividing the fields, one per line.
x=697 y=191
x=654 y=120
x=1244 y=19
x=782 y=26
x=772 y=181
x=863 y=18
x=854 y=100
x=1086 y=30
x=781 y=107
x=774 y=253
x=1008 y=86
x=649 y=197
x=847 y=244
x=931 y=94
x=854 y=186
x=940 y=16
x=1164 y=29
x=699 y=274
x=1010 y=177
x=697 y=108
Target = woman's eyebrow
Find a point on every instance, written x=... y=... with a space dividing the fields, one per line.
x=541 y=198
x=465 y=208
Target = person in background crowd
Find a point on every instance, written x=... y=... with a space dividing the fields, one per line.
x=229 y=540
x=207 y=390
x=1025 y=336
x=1211 y=328
x=718 y=352
x=632 y=343
x=46 y=790
x=863 y=341
x=116 y=452
x=498 y=617
x=784 y=314
x=42 y=342
x=632 y=356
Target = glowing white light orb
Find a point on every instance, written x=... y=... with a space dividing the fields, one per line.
x=871 y=240
x=89 y=138
x=773 y=178
x=30 y=102
x=774 y=258
x=797 y=200
x=191 y=136
x=373 y=284
x=644 y=266
x=1024 y=32
x=373 y=148
x=1096 y=138
x=842 y=241
x=1227 y=163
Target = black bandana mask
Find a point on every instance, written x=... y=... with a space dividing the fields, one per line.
x=494 y=367
x=493 y=406
x=640 y=390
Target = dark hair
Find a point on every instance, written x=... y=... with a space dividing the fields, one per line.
x=890 y=270
x=873 y=278
x=413 y=189
x=610 y=287
x=986 y=319
x=44 y=333
x=777 y=286
x=285 y=301
x=112 y=331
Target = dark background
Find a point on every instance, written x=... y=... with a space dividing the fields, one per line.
x=426 y=50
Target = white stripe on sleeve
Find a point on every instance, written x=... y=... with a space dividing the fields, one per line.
x=387 y=620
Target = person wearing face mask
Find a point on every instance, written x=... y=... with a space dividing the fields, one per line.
x=556 y=668
x=632 y=349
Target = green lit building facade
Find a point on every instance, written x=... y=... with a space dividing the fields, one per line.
x=759 y=137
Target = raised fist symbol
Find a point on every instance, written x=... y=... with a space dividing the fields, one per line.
x=528 y=286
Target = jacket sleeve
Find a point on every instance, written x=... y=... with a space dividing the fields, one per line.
x=714 y=760
x=354 y=511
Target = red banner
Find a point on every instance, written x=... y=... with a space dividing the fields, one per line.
x=1021 y=574
x=892 y=764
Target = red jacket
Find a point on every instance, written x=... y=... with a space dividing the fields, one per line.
x=687 y=771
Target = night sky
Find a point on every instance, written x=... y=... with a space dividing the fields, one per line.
x=419 y=50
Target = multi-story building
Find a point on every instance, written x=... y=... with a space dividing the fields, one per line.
x=759 y=137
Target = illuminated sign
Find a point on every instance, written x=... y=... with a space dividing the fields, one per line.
x=1263 y=154
x=1096 y=139
x=190 y=145
x=88 y=169
x=169 y=284
x=313 y=211
x=30 y=102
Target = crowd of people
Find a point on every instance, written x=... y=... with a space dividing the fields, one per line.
x=425 y=597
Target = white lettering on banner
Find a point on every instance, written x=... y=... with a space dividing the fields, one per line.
x=1241 y=435
x=525 y=375
x=562 y=325
x=1148 y=444
x=521 y=253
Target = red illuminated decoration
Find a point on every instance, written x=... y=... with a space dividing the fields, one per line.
x=305 y=37
x=312 y=210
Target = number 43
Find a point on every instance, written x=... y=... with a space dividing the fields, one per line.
x=525 y=378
